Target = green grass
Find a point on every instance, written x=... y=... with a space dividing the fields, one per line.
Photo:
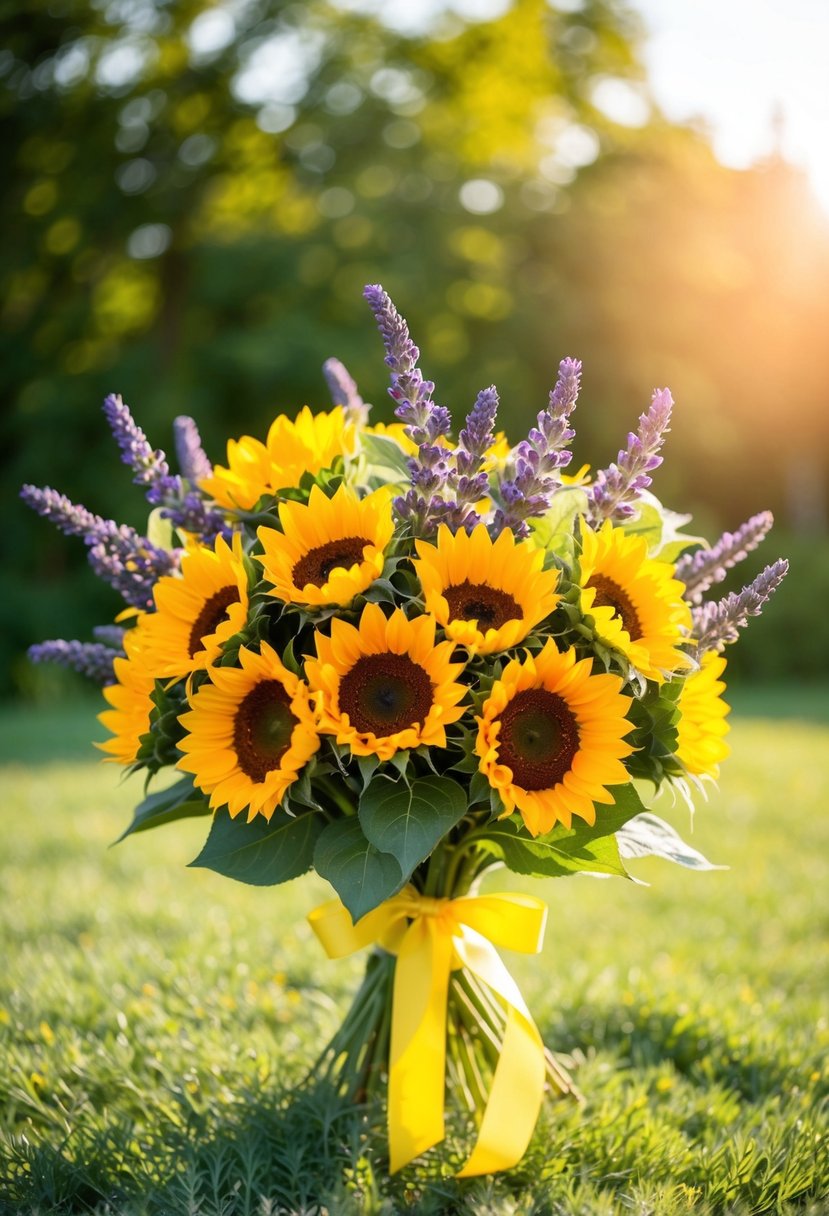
x=156 y=1022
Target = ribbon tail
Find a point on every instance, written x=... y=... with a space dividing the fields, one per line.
x=417 y=1068
x=517 y=1089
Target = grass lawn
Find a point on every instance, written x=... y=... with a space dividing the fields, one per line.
x=155 y=1021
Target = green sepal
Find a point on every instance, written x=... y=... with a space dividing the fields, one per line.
x=178 y=801
x=263 y=852
x=408 y=821
x=362 y=876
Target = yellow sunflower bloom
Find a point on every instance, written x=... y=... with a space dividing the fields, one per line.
x=249 y=734
x=130 y=699
x=330 y=549
x=551 y=738
x=487 y=595
x=385 y=685
x=198 y=610
x=634 y=600
x=306 y=444
x=702 y=727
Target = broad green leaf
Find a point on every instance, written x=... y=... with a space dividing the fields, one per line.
x=553 y=531
x=385 y=455
x=262 y=852
x=563 y=851
x=179 y=801
x=545 y=858
x=661 y=528
x=647 y=835
x=362 y=876
x=408 y=821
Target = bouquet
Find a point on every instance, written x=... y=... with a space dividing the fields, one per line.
x=404 y=661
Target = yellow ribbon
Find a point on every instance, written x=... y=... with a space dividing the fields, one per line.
x=430 y=937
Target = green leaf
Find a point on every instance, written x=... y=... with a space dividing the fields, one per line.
x=362 y=876
x=661 y=528
x=385 y=455
x=554 y=530
x=647 y=835
x=179 y=801
x=262 y=852
x=408 y=821
x=563 y=851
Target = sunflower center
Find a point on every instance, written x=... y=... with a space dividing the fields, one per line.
x=211 y=616
x=385 y=693
x=538 y=739
x=316 y=566
x=262 y=729
x=489 y=606
x=610 y=595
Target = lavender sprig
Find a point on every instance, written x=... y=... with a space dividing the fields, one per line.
x=184 y=505
x=700 y=570
x=110 y=635
x=130 y=563
x=190 y=454
x=90 y=659
x=344 y=391
x=617 y=488
x=717 y=624
x=425 y=422
x=533 y=475
x=468 y=482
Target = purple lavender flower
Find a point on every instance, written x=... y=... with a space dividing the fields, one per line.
x=343 y=390
x=533 y=474
x=110 y=635
x=148 y=466
x=467 y=482
x=183 y=504
x=717 y=624
x=425 y=421
x=90 y=659
x=700 y=570
x=616 y=488
x=190 y=455
x=130 y=563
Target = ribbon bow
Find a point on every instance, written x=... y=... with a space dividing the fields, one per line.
x=430 y=937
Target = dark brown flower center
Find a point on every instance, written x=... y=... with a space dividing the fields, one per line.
x=211 y=616
x=262 y=729
x=316 y=566
x=539 y=739
x=610 y=595
x=385 y=693
x=489 y=606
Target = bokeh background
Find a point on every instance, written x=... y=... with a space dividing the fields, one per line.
x=196 y=194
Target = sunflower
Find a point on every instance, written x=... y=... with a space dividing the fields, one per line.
x=634 y=600
x=702 y=727
x=130 y=698
x=385 y=685
x=306 y=444
x=330 y=549
x=551 y=738
x=486 y=594
x=198 y=610
x=249 y=733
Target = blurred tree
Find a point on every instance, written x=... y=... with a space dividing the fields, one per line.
x=201 y=191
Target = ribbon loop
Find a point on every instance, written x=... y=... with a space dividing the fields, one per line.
x=429 y=937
